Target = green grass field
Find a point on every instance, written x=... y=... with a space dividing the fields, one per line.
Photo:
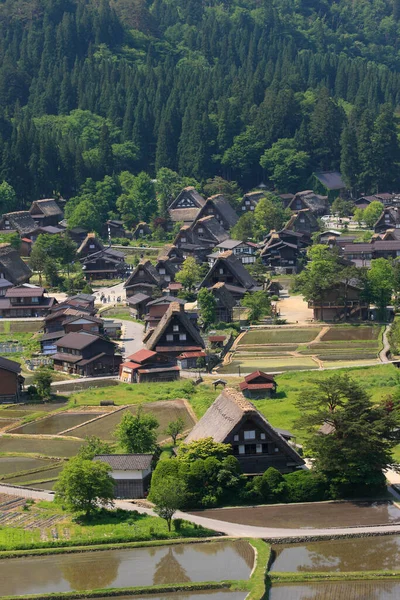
x=20 y=326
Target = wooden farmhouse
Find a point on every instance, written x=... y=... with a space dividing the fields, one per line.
x=250 y=201
x=229 y=270
x=258 y=385
x=131 y=473
x=99 y=262
x=11 y=380
x=175 y=334
x=245 y=251
x=138 y=305
x=307 y=200
x=12 y=267
x=25 y=301
x=389 y=219
x=86 y=355
x=157 y=308
x=225 y=302
x=115 y=229
x=147 y=366
x=303 y=222
x=186 y=206
x=233 y=420
x=68 y=324
x=46 y=212
x=218 y=207
x=144 y=279
x=20 y=222
x=141 y=230
x=343 y=302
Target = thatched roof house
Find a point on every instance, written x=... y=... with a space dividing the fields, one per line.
x=232 y=419
x=20 y=221
x=175 y=333
x=12 y=267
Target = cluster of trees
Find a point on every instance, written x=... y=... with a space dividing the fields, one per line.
x=94 y=89
x=52 y=255
x=326 y=270
x=336 y=414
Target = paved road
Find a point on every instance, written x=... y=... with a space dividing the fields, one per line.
x=132 y=336
x=113 y=292
x=231 y=529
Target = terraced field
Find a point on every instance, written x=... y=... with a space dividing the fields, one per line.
x=286 y=349
x=164 y=411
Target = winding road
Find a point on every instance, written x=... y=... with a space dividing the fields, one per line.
x=230 y=529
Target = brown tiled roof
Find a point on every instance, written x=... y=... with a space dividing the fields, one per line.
x=21 y=291
x=77 y=340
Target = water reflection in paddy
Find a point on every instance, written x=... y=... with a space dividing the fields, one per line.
x=55 y=424
x=358 y=554
x=209 y=561
x=213 y=594
x=350 y=590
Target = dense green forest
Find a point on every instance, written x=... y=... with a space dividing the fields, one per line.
x=249 y=90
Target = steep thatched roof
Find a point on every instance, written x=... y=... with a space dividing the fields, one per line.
x=21 y=221
x=151 y=271
x=237 y=269
x=215 y=232
x=175 y=311
x=12 y=266
x=228 y=410
x=48 y=207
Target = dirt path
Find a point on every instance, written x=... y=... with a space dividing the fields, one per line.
x=383 y=354
x=295 y=310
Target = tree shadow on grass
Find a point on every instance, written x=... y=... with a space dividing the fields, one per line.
x=110 y=517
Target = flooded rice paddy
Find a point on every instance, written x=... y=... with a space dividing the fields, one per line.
x=213 y=594
x=355 y=554
x=322 y=515
x=348 y=590
x=16 y=464
x=207 y=561
x=55 y=424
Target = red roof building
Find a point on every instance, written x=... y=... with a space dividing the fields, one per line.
x=146 y=366
x=258 y=385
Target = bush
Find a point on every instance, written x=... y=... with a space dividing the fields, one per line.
x=31 y=391
x=178 y=524
x=306 y=486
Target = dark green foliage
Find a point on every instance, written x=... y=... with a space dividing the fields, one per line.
x=355 y=446
x=93 y=88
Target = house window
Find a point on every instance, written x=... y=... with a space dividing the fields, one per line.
x=250 y=449
x=276 y=449
x=200 y=230
x=247 y=202
x=251 y=207
x=91 y=246
x=183 y=240
x=221 y=271
x=262 y=436
x=258 y=448
x=250 y=435
x=35 y=300
x=161 y=271
x=182 y=337
x=241 y=449
x=175 y=328
x=170 y=337
x=243 y=208
x=167 y=278
x=235 y=438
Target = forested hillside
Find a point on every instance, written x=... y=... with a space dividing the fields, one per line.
x=247 y=89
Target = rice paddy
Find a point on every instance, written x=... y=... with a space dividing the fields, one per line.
x=286 y=349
